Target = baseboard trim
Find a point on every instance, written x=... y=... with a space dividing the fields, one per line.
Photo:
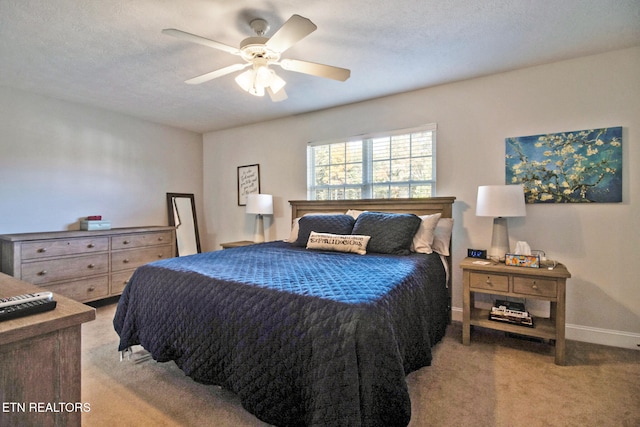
x=603 y=336
x=588 y=334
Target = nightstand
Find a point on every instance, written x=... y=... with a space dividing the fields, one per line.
x=517 y=282
x=237 y=244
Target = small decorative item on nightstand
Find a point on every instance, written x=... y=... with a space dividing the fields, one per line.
x=477 y=253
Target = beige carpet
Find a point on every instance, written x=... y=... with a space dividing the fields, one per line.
x=496 y=381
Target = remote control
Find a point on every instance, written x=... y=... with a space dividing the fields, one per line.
x=26 y=308
x=21 y=299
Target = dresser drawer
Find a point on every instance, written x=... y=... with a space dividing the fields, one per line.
x=489 y=281
x=140 y=240
x=535 y=287
x=119 y=281
x=83 y=290
x=60 y=247
x=126 y=260
x=40 y=272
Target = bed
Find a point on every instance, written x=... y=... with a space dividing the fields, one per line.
x=308 y=331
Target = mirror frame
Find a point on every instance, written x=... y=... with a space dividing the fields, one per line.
x=170 y=211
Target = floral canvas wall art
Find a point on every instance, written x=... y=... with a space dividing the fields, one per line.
x=569 y=167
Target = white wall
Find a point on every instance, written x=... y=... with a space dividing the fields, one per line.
x=60 y=162
x=596 y=242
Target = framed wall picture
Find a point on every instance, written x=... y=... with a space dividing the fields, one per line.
x=569 y=167
x=248 y=182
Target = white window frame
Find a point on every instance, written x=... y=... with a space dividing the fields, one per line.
x=366 y=187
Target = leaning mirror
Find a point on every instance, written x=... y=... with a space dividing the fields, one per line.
x=182 y=215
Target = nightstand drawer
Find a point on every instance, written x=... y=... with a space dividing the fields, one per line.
x=535 y=286
x=491 y=282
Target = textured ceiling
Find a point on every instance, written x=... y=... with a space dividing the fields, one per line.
x=111 y=54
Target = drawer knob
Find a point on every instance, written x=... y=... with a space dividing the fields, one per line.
x=91 y=265
x=488 y=280
x=160 y=239
x=126 y=260
x=90 y=245
x=126 y=242
x=159 y=255
x=534 y=286
x=42 y=250
x=91 y=288
x=42 y=273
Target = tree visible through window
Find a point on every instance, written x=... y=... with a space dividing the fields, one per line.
x=398 y=164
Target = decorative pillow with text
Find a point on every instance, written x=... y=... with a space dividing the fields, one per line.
x=338 y=242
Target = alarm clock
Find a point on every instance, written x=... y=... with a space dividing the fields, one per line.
x=477 y=253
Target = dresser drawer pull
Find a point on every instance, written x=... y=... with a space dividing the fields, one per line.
x=91 y=266
x=91 y=245
x=42 y=273
x=91 y=288
x=160 y=239
x=160 y=255
x=126 y=242
x=42 y=250
x=534 y=286
x=488 y=280
x=126 y=260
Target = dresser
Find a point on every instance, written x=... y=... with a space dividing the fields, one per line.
x=40 y=357
x=516 y=282
x=84 y=265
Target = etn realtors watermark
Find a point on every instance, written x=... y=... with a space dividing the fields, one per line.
x=44 y=407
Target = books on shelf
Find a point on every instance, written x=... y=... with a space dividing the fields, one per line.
x=511 y=312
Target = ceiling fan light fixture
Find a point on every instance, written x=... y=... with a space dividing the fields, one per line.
x=277 y=82
x=258 y=78
x=247 y=81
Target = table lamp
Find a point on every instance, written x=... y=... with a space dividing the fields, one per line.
x=500 y=202
x=259 y=204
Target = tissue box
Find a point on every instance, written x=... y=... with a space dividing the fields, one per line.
x=91 y=225
x=532 y=261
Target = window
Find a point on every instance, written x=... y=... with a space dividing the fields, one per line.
x=399 y=164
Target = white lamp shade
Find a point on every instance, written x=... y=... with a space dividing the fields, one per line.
x=260 y=204
x=500 y=201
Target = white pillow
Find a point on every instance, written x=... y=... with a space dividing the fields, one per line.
x=338 y=242
x=423 y=239
x=354 y=213
x=295 y=229
x=442 y=236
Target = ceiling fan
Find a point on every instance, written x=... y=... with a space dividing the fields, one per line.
x=259 y=52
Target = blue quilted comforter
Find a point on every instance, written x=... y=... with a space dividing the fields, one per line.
x=302 y=337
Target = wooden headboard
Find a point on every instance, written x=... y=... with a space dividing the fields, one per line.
x=443 y=205
x=416 y=206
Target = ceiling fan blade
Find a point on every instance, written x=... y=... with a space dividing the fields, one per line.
x=280 y=95
x=320 y=70
x=295 y=29
x=200 y=40
x=215 y=74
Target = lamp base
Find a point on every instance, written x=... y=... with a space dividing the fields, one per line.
x=259 y=232
x=499 y=239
